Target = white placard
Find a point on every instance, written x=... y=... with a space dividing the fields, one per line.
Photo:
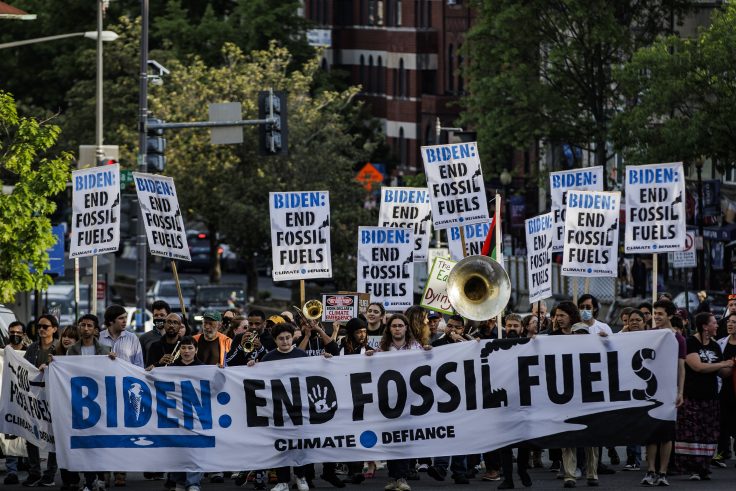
x=435 y=296
x=687 y=258
x=96 y=211
x=588 y=179
x=655 y=208
x=408 y=208
x=591 y=234
x=475 y=236
x=24 y=404
x=162 y=216
x=463 y=398
x=300 y=235
x=385 y=266
x=539 y=236
x=455 y=182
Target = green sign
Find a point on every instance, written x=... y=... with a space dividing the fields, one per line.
x=126 y=178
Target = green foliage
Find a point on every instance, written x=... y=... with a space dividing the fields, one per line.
x=25 y=228
x=682 y=97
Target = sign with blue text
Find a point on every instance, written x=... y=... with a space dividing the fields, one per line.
x=587 y=179
x=475 y=236
x=655 y=208
x=385 y=266
x=591 y=234
x=162 y=216
x=594 y=391
x=300 y=235
x=539 y=236
x=408 y=208
x=455 y=182
x=95 y=211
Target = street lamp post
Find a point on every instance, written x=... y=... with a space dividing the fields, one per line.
x=701 y=250
x=506 y=179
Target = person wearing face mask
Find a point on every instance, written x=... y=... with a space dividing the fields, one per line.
x=589 y=307
x=16 y=340
x=160 y=310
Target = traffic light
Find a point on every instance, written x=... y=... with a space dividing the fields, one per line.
x=273 y=136
x=155 y=147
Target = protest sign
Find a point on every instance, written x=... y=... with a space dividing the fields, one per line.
x=591 y=234
x=95 y=211
x=618 y=390
x=434 y=296
x=300 y=235
x=385 y=268
x=655 y=208
x=539 y=236
x=161 y=216
x=588 y=179
x=24 y=403
x=456 y=187
x=408 y=208
x=475 y=235
x=687 y=258
x=340 y=307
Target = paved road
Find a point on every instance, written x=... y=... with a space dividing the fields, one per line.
x=722 y=479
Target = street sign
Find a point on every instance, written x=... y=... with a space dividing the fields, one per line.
x=368 y=176
x=126 y=178
x=224 y=135
x=56 y=252
x=686 y=258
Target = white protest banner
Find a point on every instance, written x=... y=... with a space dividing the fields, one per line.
x=475 y=236
x=95 y=211
x=655 y=208
x=539 y=236
x=456 y=187
x=434 y=296
x=408 y=208
x=591 y=234
x=385 y=269
x=161 y=216
x=588 y=179
x=300 y=235
x=688 y=257
x=24 y=404
x=394 y=405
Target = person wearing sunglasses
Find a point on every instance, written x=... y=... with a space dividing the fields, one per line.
x=39 y=354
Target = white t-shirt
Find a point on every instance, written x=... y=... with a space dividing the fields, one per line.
x=599 y=327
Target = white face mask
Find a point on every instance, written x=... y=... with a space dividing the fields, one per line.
x=586 y=315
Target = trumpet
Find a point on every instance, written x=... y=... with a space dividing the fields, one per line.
x=175 y=354
x=248 y=343
x=312 y=310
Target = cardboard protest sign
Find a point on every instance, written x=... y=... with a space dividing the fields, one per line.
x=588 y=179
x=408 y=208
x=300 y=235
x=655 y=208
x=162 y=216
x=539 y=236
x=385 y=269
x=339 y=307
x=435 y=292
x=96 y=211
x=591 y=234
x=475 y=235
x=456 y=186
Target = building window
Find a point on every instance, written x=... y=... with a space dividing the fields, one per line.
x=322 y=13
x=375 y=12
x=450 y=70
x=402 y=79
x=361 y=73
x=371 y=76
x=402 y=147
x=397 y=13
x=381 y=89
x=460 y=80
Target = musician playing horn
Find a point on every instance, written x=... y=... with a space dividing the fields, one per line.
x=161 y=353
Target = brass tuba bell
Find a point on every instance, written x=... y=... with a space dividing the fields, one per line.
x=478 y=288
x=312 y=310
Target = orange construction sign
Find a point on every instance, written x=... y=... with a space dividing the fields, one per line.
x=369 y=176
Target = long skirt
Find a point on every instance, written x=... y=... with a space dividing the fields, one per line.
x=696 y=441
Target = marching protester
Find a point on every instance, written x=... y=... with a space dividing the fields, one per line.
x=698 y=419
x=646 y=309
x=589 y=307
x=418 y=324
x=374 y=317
x=69 y=336
x=539 y=310
x=238 y=325
x=727 y=395
x=722 y=331
x=454 y=331
x=212 y=345
x=160 y=310
x=18 y=341
x=434 y=319
x=566 y=315
x=163 y=351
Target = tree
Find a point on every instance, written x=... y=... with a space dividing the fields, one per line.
x=552 y=79
x=682 y=98
x=35 y=177
x=226 y=187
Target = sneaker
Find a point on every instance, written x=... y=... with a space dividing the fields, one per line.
x=282 y=486
x=422 y=468
x=11 y=479
x=402 y=485
x=391 y=486
x=569 y=484
x=593 y=483
x=47 y=482
x=694 y=476
x=650 y=479
x=241 y=478
x=555 y=466
x=333 y=479
x=613 y=455
x=718 y=462
x=437 y=473
x=217 y=478
x=301 y=484
x=631 y=467
x=98 y=485
x=32 y=481
x=491 y=476
x=662 y=480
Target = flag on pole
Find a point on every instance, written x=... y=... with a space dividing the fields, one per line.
x=488 y=245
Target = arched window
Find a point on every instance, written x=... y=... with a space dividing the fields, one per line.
x=324 y=65
x=371 y=76
x=397 y=13
x=361 y=73
x=450 y=69
x=402 y=147
x=381 y=85
x=402 y=79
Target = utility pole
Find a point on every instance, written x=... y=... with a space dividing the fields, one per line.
x=140 y=285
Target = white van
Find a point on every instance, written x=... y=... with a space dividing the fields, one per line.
x=6 y=318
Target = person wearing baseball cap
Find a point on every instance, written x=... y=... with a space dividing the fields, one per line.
x=213 y=345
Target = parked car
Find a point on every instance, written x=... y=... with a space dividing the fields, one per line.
x=58 y=300
x=132 y=326
x=215 y=297
x=6 y=318
x=166 y=290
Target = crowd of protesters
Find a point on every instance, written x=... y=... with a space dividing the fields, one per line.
x=705 y=392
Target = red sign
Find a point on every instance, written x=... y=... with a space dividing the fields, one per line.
x=101 y=289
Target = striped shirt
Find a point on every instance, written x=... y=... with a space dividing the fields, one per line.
x=126 y=346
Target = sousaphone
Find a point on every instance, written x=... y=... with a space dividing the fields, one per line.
x=478 y=288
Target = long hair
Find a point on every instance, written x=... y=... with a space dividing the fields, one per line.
x=418 y=324
x=386 y=339
x=69 y=332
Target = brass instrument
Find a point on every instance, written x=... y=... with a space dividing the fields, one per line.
x=175 y=354
x=248 y=343
x=478 y=288
x=312 y=310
